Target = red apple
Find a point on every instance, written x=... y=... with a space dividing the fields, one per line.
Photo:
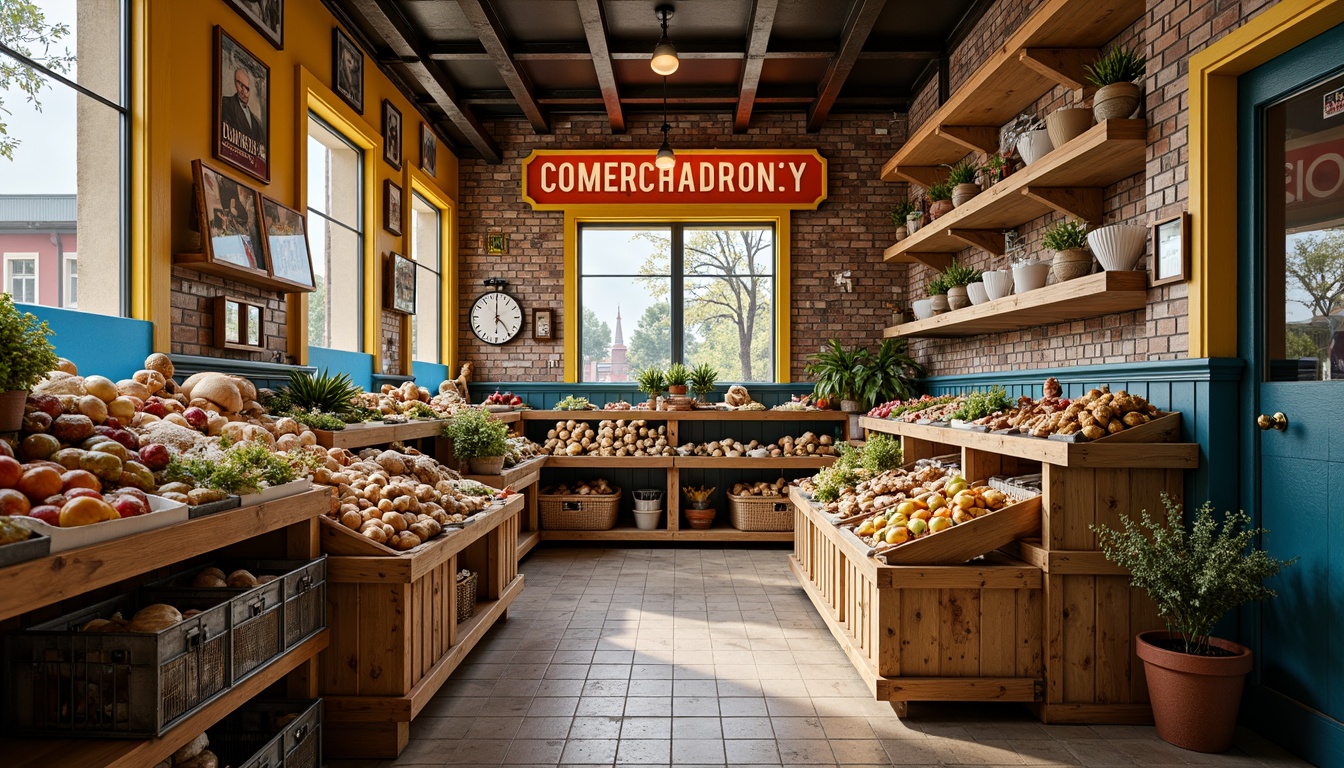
x=196 y=417
x=6 y=449
x=126 y=437
x=113 y=422
x=48 y=404
x=155 y=456
x=13 y=503
x=516 y=400
x=75 y=493
x=47 y=514
x=10 y=471
x=78 y=478
x=154 y=407
x=128 y=505
x=136 y=493
x=56 y=501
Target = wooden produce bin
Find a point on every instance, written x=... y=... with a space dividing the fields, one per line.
x=395 y=638
x=525 y=479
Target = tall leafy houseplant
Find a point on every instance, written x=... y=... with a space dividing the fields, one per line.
x=703 y=378
x=651 y=382
x=677 y=375
x=25 y=357
x=480 y=439
x=858 y=377
x=1114 y=75
x=1196 y=574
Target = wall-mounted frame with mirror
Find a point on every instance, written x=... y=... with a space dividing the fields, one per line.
x=239 y=324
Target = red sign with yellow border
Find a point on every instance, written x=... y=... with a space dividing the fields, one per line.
x=557 y=179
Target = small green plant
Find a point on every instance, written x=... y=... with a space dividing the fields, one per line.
x=25 y=354
x=1195 y=574
x=900 y=210
x=881 y=453
x=651 y=381
x=572 y=403
x=937 y=287
x=317 y=419
x=940 y=191
x=961 y=173
x=677 y=375
x=325 y=392
x=245 y=467
x=828 y=484
x=980 y=404
x=956 y=274
x=995 y=168
x=859 y=375
x=419 y=411
x=476 y=434
x=1065 y=235
x=703 y=378
x=1121 y=65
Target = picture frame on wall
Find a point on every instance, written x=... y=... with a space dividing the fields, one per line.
x=265 y=16
x=242 y=108
x=391 y=134
x=496 y=244
x=347 y=69
x=287 y=251
x=1171 y=250
x=543 y=324
x=429 y=150
x=400 y=284
x=392 y=201
x=230 y=217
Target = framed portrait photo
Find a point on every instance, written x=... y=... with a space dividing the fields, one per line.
x=242 y=113
x=543 y=324
x=286 y=235
x=1171 y=250
x=230 y=214
x=429 y=150
x=392 y=199
x=391 y=135
x=400 y=284
x=347 y=69
x=266 y=16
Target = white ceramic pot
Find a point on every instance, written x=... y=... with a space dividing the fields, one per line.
x=977 y=293
x=1030 y=275
x=923 y=308
x=998 y=283
x=1067 y=124
x=902 y=232
x=913 y=222
x=1033 y=145
x=1118 y=246
x=1117 y=100
x=647 y=519
x=957 y=298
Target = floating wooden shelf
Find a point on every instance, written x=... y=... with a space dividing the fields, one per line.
x=1101 y=294
x=684 y=415
x=254 y=277
x=369 y=433
x=747 y=462
x=611 y=462
x=1048 y=50
x=630 y=533
x=1068 y=179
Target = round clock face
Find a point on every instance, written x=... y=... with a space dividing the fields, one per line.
x=496 y=317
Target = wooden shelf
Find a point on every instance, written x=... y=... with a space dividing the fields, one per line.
x=367 y=434
x=256 y=278
x=746 y=462
x=611 y=462
x=630 y=533
x=1068 y=179
x=527 y=541
x=31 y=585
x=120 y=753
x=1101 y=294
x=516 y=477
x=1047 y=50
x=684 y=415
x=1145 y=449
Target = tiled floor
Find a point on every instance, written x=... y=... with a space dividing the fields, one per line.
x=715 y=657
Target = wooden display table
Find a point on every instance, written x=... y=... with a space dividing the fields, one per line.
x=395 y=636
x=525 y=479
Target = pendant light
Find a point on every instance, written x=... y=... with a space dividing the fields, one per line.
x=665 y=158
x=664 y=60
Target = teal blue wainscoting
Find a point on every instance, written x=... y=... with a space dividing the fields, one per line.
x=358 y=364
x=115 y=347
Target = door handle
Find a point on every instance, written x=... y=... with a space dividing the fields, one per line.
x=1277 y=421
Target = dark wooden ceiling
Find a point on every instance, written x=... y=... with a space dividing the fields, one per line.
x=468 y=61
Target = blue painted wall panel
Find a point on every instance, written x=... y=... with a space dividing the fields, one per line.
x=358 y=364
x=115 y=347
x=544 y=395
x=429 y=375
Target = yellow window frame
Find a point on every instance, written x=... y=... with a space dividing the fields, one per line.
x=418 y=182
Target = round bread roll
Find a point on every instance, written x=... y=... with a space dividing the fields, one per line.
x=161 y=363
x=153 y=618
x=99 y=625
x=241 y=579
x=206 y=580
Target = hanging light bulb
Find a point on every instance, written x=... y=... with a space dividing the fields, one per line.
x=665 y=157
x=664 y=60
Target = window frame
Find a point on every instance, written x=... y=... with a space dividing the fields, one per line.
x=66 y=260
x=25 y=256
x=418 y=192
x=362 y=217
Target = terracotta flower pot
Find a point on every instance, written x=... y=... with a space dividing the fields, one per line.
x=957 y=297
x=939 y=207
x=1195 y=698
x=1117 y=100
x=700 y=519
x=940 y=303
x=486 y=465
x=1065 y=125
x=677 y=389
x=962 y=193
x=11 y=409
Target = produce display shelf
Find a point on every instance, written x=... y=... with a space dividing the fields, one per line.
x=705 y=415
x=115 y=753
x=366 y=553
x=37 y=583
x=516 y=477
x=527 y=541
x=1047 y=50
x=1142 y=447
x=1101 y=294
x=367 y=434
x=611 y=462
x=1106 y=153
x=747 y=462
x=631 y=533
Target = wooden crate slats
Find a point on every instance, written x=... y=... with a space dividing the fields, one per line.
x=958 y=629
x=998 y=632
x=920 y=646
x=1054 y=639
x=1080 y=638
x=385 y=647
x=885 y=637
x=1112 y=501
x=339 y=661
x=1030 y=614
x=1113 y=638
x=1079 y=511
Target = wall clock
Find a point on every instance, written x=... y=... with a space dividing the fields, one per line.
x=496 y=317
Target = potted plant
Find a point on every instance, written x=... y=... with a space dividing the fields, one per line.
x=900 y=215
x=858 y=378
x=940 y=199
x=955 y=278
x=1195 y=574
x=703 y=377
x=651 y=382
x=25 y=358
x=897 y=314
x=961 y=177
x=937 y=291
x=1066 y=124
x=1114 y=75
x=834 y=369
x=479 y=439
x=1068 y=239
x=699 y=514
x=913 y=221
x=996 y=169
x=676 y=377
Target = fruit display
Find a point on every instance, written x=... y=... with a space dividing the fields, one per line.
x=885 y=489
x=611 y=438
x=1096 y=414
x=776 y=489
x=147 y=620
x=407 y=400
x=808 y=444
x=925 y=510
x=981 y=403
x=894 y=408
x=12 y=533
x=215 y=578
x=939 y=411
x=598 y=487
x=572 y=403
x=520 y=450
x=507 y=399
x=69 y=497
x=1025 y=411
x=619 y=405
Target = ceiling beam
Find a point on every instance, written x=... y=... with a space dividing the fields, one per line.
x=860 y=23
x=387 y=22
x=490 y=30
x=471 y=50
x=758 y=40
x=712 y=95
x=595 y=29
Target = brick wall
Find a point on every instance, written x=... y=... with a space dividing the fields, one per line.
x=194 y=315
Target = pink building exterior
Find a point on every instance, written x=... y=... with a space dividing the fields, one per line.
x=39 y=249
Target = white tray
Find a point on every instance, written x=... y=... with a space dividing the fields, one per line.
x=291 y=488
x=162 y=513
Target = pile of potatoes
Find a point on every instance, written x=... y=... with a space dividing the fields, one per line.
x=763 y=489
x=393 y=401
x=888 y=488
x=1098 y=413
x=520 y=450
x=598 y=487
x=611 y=438
x=195 y=754
x=809 y=444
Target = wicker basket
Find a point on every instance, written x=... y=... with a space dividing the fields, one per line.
x=760 y=513
x=578 y=513
x=466 y=598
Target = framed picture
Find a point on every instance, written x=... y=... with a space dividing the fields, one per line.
x=400 y=284
x=230 y=220
x=1171 y=250
x=429 y=150
x=391 y=207
x=391 y=134
x=242 y=123
x=543 y=324
x=265 y=16
x=238 y=324
x=286 y=233
x=496 y=244
x=347 y=69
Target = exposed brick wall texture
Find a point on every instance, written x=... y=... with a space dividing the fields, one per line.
x=193 y=313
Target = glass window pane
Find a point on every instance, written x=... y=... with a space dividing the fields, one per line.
x=336 y=252
x=425 y=229
x=425 y=321
x=627 y=326
x=625 y=251
x=730 y=325
x=730 y=250
x=334 y=176
x=48 y=31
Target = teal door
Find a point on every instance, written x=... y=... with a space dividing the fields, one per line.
x=1292 y=339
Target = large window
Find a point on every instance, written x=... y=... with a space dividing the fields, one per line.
x=336 y=234
x=63 y=149
x=426 y=251
x=658 y=294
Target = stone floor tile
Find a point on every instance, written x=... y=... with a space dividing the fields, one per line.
x=697 y=751
x=646 y=728
x=797 y=727
x=695 y=706
x=751 y=752
x=648 y=706
x=742 y=707
x=589 y=752
x=858 y=751
x=847 y=728
x=805 y=752
x=644 y=752
x=534 y=752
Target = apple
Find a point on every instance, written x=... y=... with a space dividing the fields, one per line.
x=56 y=501
x=112 y=422
x=79 y=478
x=127 y=439
x=196 y=417
x=38 y=483
x=10 y=471
x=154 y=407
x=136 y=493
x=75 y=493
x=128 y=505
x=155 y=456
x=516 y=400
x=6 y=449
x=38 y=446
x=48 y=404
x=47 y=514
x=13 y=503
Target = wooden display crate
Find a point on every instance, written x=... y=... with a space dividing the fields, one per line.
x=966 y=541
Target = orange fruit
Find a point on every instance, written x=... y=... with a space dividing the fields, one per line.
x=40 y=482
x=79 y=478
x=10 y=471
x=86 y=510
x=13 y=503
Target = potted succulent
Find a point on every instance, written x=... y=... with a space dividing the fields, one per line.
x=703 y=377
x=1114 y=75
x=1068 y=239
x=1196 y=574
x=900 y=215
x=961 y=177
x=699 y=514
x=937 y=291
x=955 y=278
x=676 y=377
x=651 y=382
x=480 y=439
x=858 y=378
x=940 y=199
x=25 y=358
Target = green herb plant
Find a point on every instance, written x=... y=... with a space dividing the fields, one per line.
x=651 y=381
x=962 y=173
x=900 y=210
x=1121 y=65
x=981 y=403
x=25 y=354
x=1065 y=235
x=1195 y=574
x=831 y=481
x=940 y=191
x=881 y=453
x=317 y=419
x=572 y=403
x=476 y=434
x=324 y=392
x=703 y=378
x=244 y=467
x=957 y=275
x=936 y=287
x=677 y=375
x=419 y=411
